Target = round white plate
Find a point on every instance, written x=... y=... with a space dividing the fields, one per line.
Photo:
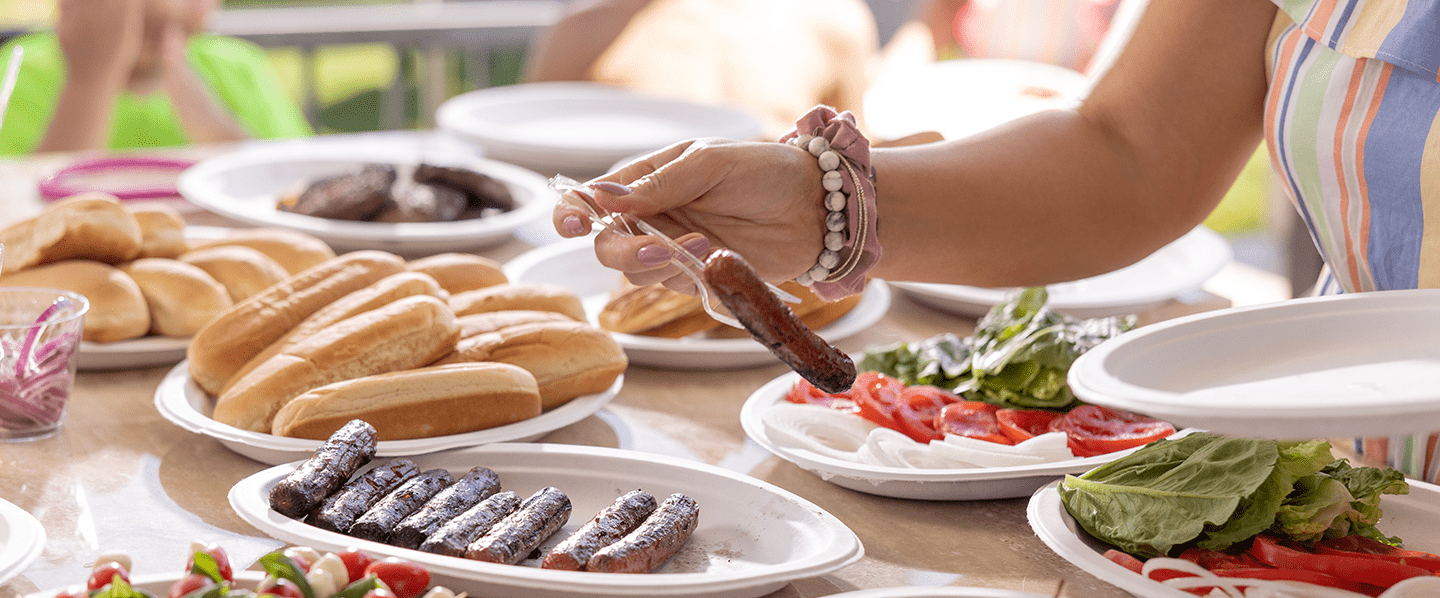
x=159 y=583
x=753 y=537
x=581 y=128
x=938 y=592
x=981 y=483
x=245 y=185
x=572 y=264
x=182 y=401
x=1414 y=517
x=1173 y=270
x=22 y=539
x=143 y=352
x=957 y=98
x=1366 y=364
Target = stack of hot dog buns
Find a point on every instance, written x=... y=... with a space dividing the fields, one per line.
x=137 y=269
x=654 y=310
x=435 y=346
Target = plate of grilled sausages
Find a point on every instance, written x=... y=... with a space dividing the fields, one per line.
x=551 y=520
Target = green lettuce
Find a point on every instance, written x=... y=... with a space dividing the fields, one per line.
x=1214 y=491
x=1018 y=356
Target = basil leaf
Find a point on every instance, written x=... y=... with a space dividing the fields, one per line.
x=279 y=566
x=205 y=564
x=360 y=587
x=119 y=588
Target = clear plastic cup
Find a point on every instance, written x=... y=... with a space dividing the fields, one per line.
x=39 y=337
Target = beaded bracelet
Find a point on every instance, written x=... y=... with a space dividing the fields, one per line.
x=852 y=246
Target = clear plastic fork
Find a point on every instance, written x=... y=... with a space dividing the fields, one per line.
x=574 y=193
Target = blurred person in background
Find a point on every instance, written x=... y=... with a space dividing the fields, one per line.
x=119 y=74
x=1059 y=32
x=774 y=58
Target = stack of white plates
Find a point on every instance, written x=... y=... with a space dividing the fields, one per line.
x=581 y=129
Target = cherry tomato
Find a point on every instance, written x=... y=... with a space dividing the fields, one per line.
x=875 y=394
x=104 y=573
x=805 y=393
x=74 y=591
x=1020 y=425
x=972 y=419
x=356 y=562
x=280 y=587
x=222 y=561
x=1094 y=430
x=917 y=409
x=190 y=583
x=407 y=579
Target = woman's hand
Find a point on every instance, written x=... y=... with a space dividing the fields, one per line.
x=763 y=200
x=100 y=39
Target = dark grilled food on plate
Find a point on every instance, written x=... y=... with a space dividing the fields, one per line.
x=386 y=193
x=347 y=450
x=350 y=196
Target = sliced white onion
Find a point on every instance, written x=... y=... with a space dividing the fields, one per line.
x=899 y=450
x=1046 y=448
x=818 y=429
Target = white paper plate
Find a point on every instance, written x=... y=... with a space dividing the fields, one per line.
x=1173 y=270
x=581 y=128
x=753 y=538
x=572 y=264
x=1346 y=365
x=921 y=484
x=182 y=401
x=22 y=539
x=1414 y=517
x=957 y=98
x=246 y=184
x=159 y=583
x=143 y=352
x=938 y=592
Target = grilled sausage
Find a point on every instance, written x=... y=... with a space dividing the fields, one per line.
x=520 y=533
x=377 y=523
x=456 y=534
x=476 y=485
x=650 y=545
x=772 y=323
x=609 y=525
x=340 y=510
x=347 y=450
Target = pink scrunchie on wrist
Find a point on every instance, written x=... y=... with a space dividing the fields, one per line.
x=861 y=250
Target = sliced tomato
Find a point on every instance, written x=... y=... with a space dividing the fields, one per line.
x=1360 y=546
x=1128 y=561
x=1215 y=559
x=875 y=396
x=1304 y=575
x=1020 y=425
x=1094 y=430
x=1286 y=555
x=917 y=409
x=972 y=419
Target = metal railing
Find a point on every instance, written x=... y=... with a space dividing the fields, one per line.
x=430 y=31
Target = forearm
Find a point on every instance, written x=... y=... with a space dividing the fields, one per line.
x=201 y=114
x=83 y=116
x=1068 y=194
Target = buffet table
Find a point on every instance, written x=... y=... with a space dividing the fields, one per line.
x=119 y=477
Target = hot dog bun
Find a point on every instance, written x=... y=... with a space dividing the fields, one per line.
x=224 y=345
x=378 y=294
x=492 y=321
x=460 y=272
x=243 y=271
x=543 y=297
x=90 y=226
x=406 y=334
x=637 y=309
x=162 y=229
x=419 y=403
x=568 y=359
x=294 y=250
x=182 y=298
x=117 y=307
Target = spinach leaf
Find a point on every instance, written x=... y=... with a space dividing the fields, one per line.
x=1166 y=493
